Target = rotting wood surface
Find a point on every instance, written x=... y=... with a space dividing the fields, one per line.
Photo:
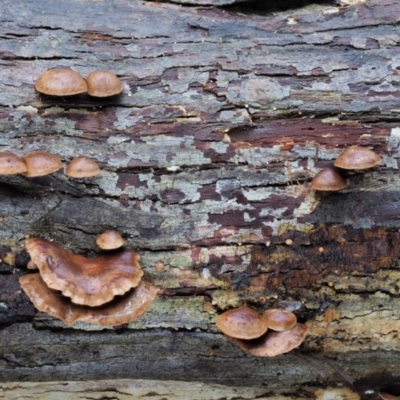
x=206 y=165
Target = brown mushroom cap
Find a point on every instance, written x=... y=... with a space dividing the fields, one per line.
x=11 y=164
x=121 y=310
x=102 y=83
x=387 y=396
x=242 y=323
x=274 y=343
x=82 y=167
x=61 y=82
x=39 y=163
x=86 y=281
x=357 y=158
x=110 y=240
x=328 y=179
x=279 y=320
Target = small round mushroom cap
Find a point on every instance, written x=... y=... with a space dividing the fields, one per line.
x=31 y=265
x=39 y=163
x=357 y=158
x=242 y=323
x=328 y=179
x=11 y=164
x=82 y=167
x=61 y=82
x=274 y=343
x=102 y=83
x=121 y=310
x=110 y=240
x=278 y=319
x=91 y=282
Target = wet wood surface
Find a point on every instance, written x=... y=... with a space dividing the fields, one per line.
x=207 y=158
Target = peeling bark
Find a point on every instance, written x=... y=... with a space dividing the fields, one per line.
x=206 y=160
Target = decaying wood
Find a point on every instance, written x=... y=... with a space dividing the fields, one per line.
x=206 y=160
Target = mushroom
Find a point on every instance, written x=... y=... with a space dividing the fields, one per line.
x=110 y=240
x=82 y=167
x=39 y=163
x=11 y=164
x=272 y=343
x=61 y=82
x=279 y=320
x=102 y=83
x=242 y=323
x=387 y=396
x=31 y=265
x=86 y=281
x=357 y=158
x=119 y=311
x=328 y=179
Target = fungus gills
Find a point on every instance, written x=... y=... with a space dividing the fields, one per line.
x=91 y=282
x=272 y=343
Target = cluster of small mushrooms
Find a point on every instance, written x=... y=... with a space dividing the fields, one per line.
x=40 y=163
x=275 y=332
x=107 y=290
x=67 y=82
x=353 y=158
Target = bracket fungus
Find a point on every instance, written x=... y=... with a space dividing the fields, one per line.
x=11 y=164
x=357 y=158
x=91 y=282
x=120 y=310
x=275 y=332
x=387 y=396
x=274 y=343
x=61 y=82
x=39 y=163
x=242 y=323
x=328 y=179
x=110 y=240
x=82 y=167
x=103 y=83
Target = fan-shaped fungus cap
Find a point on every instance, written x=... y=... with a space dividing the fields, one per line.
x=82 y=167
x=39 y=163
x=110 y=240
x=242 y=323
x=328 y=179
x=121 y=310
x=274 y=343
x=86 y=281
x=61 y=82
x=279 y=320
x=357 y=158
x=11 y=164
x=102 y=83
x=387 y=396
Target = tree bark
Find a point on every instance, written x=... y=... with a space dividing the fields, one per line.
x=206 y=160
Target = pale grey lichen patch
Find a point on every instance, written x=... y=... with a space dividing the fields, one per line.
x=186 y=313
x=260 y=91
x=394 y=140
x=238 y=116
